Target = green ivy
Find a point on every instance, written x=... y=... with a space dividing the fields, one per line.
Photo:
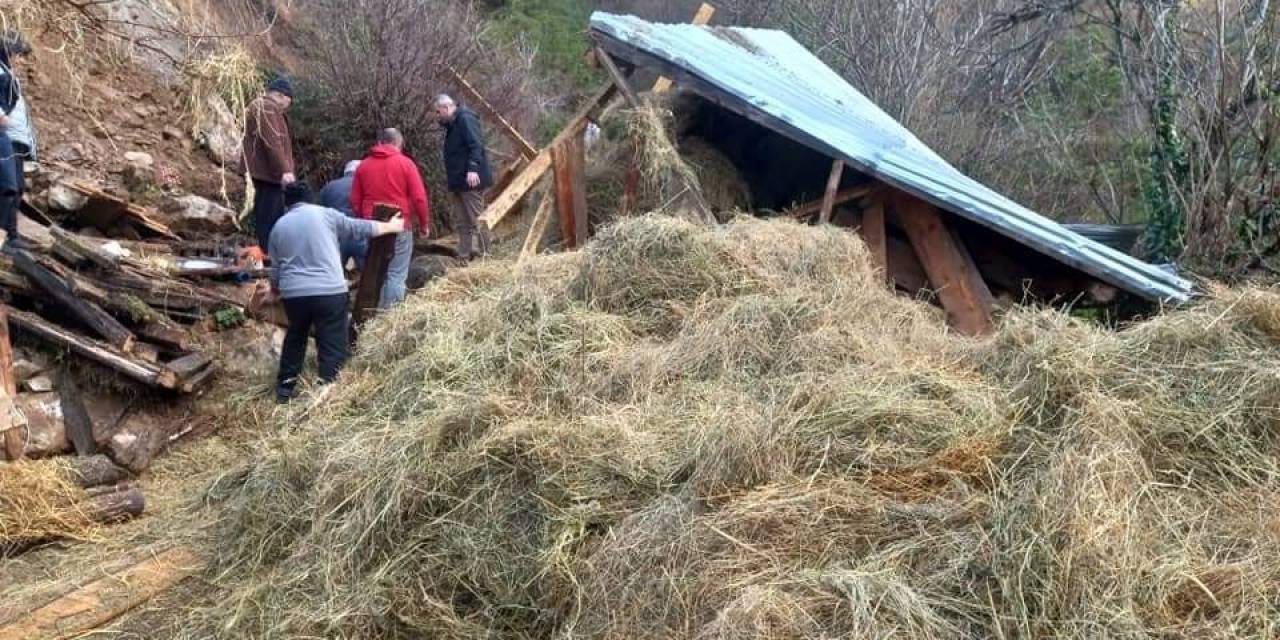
x=1166 y=220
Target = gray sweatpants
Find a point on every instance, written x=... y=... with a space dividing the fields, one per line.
x=473 y=236
x=393 y=291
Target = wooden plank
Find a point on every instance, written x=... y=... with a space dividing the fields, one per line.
x=702 y=17
x=952 y=274
x=840 y=197
x=100 y=353
x=873 y=234
x=131 y=211
x=101 y=322
x=538 y=228
x=619 y=78
x=571 y=192
x=13 y=445
x=539 y=166
x=504 y=180
x=369 y=290
x=105 y=599
x=522 y=145
x=829 y=196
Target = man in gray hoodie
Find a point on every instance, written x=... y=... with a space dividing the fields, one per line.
x=308 y=278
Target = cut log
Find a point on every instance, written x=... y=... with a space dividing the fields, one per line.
x=104 y=599
x=872 y=231
x=97 y=470
x=113 y=508
x=198 y=381
x=829 y=196
x=165 y=334
x=10 y=422
x=76 y=250
x=959 y=286
x=571 y=190
x=100 y=353
x=61 y=292
x=538 y=167
x=188 y=365
x=521 y=144
x=702 y=17
x=538 y=228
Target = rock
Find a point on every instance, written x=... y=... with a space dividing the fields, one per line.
x=172 y=133
x=140 y=158
x=218 y=131
x=424 y=269
x=139 y=170
x=38 y=384
x=24 y=370
x=63 y=198
x=70 y=153
x=194 y=213
x=45 y=433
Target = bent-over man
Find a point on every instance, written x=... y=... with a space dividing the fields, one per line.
x=308 y=278
x=466 y=164
x=337 y=195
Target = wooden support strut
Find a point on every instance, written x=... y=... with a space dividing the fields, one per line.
x=842 y=196
x=952 y=273
x=522 y=145
x=829 y=196
x=533 y=172
x=702 y=17
x=538 y=228
x=872 y=231
x=619 y=78
x=569 y=158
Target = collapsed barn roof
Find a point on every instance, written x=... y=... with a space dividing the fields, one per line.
x=768 y=77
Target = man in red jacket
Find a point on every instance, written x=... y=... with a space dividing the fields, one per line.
x=387 y=176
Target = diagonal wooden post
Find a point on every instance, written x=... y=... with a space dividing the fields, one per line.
x=522 y=145
x=829 y=196
x=952 y=273
x=702 y=17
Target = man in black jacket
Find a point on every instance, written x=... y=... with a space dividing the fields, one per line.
x=17 y=137
x=466 y=164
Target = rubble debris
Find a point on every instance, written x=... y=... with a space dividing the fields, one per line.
x=38 y=384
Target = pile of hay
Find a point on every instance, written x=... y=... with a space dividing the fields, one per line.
x=738 y=432
x=38 y=502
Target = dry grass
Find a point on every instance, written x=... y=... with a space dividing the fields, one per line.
x=736 y=432
x=38 y=504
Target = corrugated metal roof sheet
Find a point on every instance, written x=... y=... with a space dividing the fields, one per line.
x=767 y=75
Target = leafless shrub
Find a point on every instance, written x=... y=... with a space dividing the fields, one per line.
x=380 y=63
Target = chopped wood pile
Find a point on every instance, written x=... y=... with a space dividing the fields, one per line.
x=130 y=307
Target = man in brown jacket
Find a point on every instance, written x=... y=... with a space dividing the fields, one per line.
x=268 y=155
